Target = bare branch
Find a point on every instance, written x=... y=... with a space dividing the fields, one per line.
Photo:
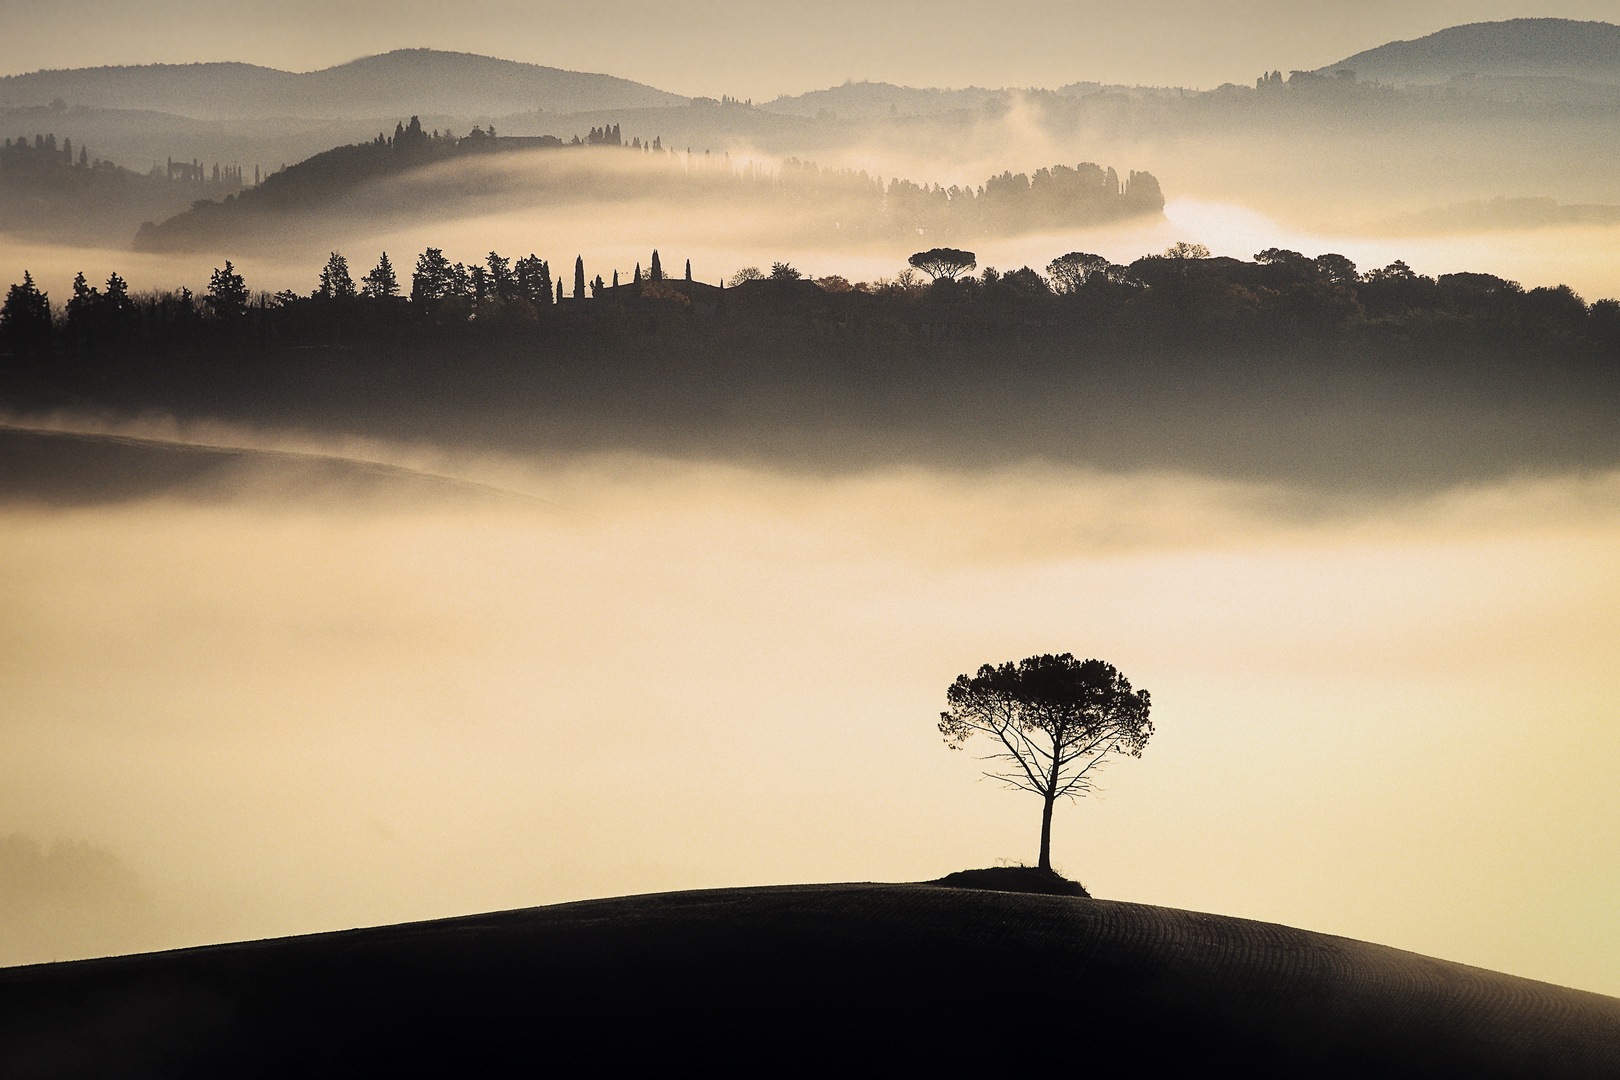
x=1053 y=721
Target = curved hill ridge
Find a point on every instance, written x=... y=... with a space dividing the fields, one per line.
x=805 y=980
x=394 y=84
x=64 y=468
x=1515 y=48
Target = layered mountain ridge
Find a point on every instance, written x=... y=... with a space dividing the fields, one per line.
x=405 y=82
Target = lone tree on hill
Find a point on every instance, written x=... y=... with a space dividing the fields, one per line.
x=944 y=264
x=1056 y=719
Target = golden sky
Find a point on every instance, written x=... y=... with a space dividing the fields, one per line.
x=749 y=48
x=1390 y=719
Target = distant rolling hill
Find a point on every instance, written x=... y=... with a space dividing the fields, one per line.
x=878 y=99
x=815 y=980
x=1515 y=48
x=63 y=468
x=399 y=83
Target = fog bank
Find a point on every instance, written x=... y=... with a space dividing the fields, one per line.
x=650 y=673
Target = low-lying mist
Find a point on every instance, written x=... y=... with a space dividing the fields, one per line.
x=575 y=675
x=1357 y=161
x=617 y=237
x=1445 y=185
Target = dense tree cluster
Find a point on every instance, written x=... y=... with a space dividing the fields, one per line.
x=94 y=316
x=42 y=160
x=64 y=192
x=25 y=318
x=846 y=202
x=327 y=174
x=1179 y=294
x=44 y=154
x=1008 y=204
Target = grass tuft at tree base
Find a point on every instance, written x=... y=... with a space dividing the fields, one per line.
x=1024 y=879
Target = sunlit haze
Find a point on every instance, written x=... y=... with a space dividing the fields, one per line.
x=1389 y=720
x=762 y=50
x=535 y=662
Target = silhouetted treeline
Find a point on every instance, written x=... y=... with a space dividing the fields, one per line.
x=64 y=192
x=330 y=173
x=1005 y=205
x=44 y=160
x=1182 y=295
x=44 y=155
x=845 y=203
x=1286 y=368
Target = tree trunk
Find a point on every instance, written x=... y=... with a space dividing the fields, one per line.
x=1051 y=797
x=1046 y=833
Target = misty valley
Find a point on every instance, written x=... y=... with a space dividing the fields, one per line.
x=1286 y=368
x=485 y=547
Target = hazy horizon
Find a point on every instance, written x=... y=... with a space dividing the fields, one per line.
x=293 y=694
x=752 y=52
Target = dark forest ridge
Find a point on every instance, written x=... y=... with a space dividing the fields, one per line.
x=1515 y=48
x=347 y=177
x=404 y=81
x=801 y=980
x=1288 y=368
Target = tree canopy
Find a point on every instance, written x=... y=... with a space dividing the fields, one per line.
x=25 y=319
x=1055 y=719
x=944 y=263
x=227 y=293
x=1071 y=272
x=336 y=282
x=381 y=282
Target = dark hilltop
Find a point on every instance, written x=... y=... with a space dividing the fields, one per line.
x=807 y=980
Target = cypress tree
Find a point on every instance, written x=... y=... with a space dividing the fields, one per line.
x=579 y=277
x=656 y=272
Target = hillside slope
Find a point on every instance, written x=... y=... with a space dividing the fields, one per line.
x=399 y=83
x=64 y=468
x=803 y=980
x=1535 y=48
